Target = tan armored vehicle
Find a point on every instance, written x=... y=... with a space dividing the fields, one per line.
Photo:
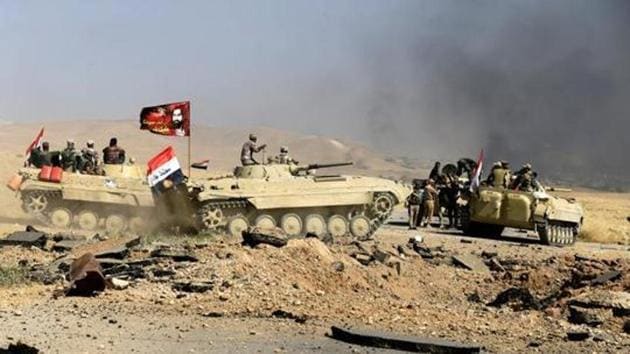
x=119 y=200
x=295 y=199
x=556 y=220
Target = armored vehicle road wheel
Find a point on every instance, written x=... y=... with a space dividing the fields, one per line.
x=265 y=221
x=237 y=225
x=360 y=227
x=315 y=224
x=291 y=224
x=212 y=217
x=383 y=206
x=556 y=235
x=87 y=220
x=35 y=203
x=337 y=225
x=115 y=223
x=61 y=217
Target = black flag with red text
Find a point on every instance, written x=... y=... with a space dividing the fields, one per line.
x=168 y=119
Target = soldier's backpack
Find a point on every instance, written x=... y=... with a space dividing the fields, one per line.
x=415 y=198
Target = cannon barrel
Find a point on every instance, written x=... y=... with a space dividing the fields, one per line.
x=315 y=166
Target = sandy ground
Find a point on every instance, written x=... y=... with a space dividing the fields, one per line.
x=426 y=299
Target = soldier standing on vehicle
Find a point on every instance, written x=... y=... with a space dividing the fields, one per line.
x=499 y=176
x=508 y=173
x=435 y=172
x=428 y=203
x=466 y=166
x=248 y=150
x=113 y=155
x=413 y=206
x=524 y=180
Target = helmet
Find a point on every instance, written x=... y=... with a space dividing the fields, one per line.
x=90 y=143
x=284 y=149
x=527 y=166
x=253 y=137
x=70 y=141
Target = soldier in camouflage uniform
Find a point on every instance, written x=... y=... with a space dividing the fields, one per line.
x=248 y=150
x=524 y=180
x=499 y=176
x=413 y=206
x=429 y=199
x=69 y=157
x=90 y=163
x=283 y=157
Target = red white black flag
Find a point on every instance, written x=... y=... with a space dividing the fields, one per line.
x=476 y=177
x=167 y=119
x=164 y=166
x=37 y=142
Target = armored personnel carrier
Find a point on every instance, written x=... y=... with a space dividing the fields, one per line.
x=556 y=220
x=296 y=199
x=118 y=200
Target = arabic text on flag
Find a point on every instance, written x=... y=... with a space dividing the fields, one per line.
x=168 y=119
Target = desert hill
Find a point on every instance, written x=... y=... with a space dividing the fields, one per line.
x=221 y=145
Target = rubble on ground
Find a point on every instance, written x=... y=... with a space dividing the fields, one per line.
x=374 y=282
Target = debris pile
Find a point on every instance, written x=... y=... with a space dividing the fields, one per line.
x=398 y=285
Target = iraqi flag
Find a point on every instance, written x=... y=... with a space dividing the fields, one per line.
x=476 y=177
x=164 y=166
x=37 y=142
x=168 y=119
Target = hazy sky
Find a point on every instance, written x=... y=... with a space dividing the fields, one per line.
x=540 y=80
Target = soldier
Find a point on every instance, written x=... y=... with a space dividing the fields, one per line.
x=284 y=158
x=89 y=159
x=499 y=175
x=35 y=157
x=524 y=179
x=508 y=173
x=113 y=155
x=249 y=148
x=69 y=157
x=435 y=172
x=428 y=202
x=466 y=166
x=413 y=206
x=45 y=157
x=448 y=194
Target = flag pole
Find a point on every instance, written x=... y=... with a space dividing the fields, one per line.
x=189 y=142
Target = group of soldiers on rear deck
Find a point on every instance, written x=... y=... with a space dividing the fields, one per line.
x=442 y=190
x=85 y=161
x=501 y=176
